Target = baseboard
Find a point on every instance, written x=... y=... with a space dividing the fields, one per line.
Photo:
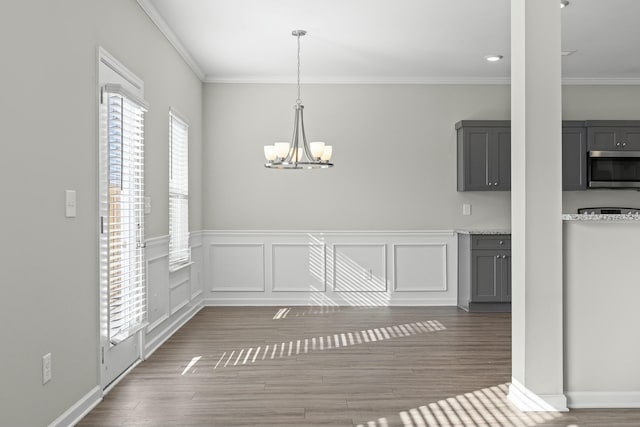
x=603 y=399
x=163 y=336
x=78 y=410
x=279 y=302
x=528 y=401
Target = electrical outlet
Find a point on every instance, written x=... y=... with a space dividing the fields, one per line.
x=70 y=203
x=466 y=209
x=46 y=368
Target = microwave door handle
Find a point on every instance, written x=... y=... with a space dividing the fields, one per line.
x=614 y=154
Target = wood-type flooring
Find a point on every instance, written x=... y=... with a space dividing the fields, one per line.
x=332 y=366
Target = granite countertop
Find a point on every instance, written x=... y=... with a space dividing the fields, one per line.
x=488 y=232
x=602 y=218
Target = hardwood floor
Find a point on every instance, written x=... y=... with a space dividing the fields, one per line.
x=314 y=366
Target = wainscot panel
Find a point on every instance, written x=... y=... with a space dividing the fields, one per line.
x=173 y=297
x=332 y=268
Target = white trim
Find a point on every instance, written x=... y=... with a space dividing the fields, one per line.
x=177 y=267
x=528 y=401
x=254 y=233
x=157 y=323
x=261 y=286
x=120 y=377
x=357 y=80
x=196 y=294
x=79 y=410
x=384 y=266
x=164 y=28
x=445 y=279
x=306 y=245
x=223 y=301
x=601 y=81
x=436 y=81
x=157 y=241
x=151 y=346
x=603 y=399
x=118 y=67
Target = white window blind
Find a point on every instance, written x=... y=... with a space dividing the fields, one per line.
x=179 y=252
x=123 y=116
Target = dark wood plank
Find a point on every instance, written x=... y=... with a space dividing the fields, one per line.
x=436 y=366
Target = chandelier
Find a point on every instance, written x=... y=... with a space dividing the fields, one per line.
x=284 y=155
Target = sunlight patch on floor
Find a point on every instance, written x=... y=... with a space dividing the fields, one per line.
x=487 y=407
x=290 y=348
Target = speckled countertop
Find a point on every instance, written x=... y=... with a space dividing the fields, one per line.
x=484 y=231
x=602 y=218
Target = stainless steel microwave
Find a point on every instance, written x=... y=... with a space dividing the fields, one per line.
x=614 y=169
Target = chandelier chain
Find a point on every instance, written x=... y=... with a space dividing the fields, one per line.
x=298 y=101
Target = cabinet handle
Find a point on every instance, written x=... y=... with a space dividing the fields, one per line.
x=624 y=144
x=504 y=257
x=501 y=242
x=497 y=256
x=617 y=144
x=495 y=183
x=490 y=184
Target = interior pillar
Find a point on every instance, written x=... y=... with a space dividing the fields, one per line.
x=536 y=206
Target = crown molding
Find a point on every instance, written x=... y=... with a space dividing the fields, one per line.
x=363 y=80
x=164 y=28
x=569 y=81
x=632 y=81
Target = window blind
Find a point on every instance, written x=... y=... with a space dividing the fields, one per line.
x=127 y=302
x=179 y=252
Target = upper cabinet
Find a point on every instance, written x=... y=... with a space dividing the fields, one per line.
x=484 y=155
x=613 y=135
x=574 y=156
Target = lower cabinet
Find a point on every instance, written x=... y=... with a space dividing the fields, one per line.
x=484 y=272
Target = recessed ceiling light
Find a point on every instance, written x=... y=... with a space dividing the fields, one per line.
x=563 y=4
x=568 y=52
x=493 y=58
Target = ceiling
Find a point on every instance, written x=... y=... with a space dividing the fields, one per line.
x=388 y=41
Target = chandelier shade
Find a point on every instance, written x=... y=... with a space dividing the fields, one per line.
x=298 y=154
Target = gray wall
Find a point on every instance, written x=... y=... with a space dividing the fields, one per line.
x=394 y=150
x=48 y=111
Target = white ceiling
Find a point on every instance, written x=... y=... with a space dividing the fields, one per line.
x=388 y=41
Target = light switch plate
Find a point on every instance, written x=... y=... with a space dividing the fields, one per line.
x=147 y=205
x=46 y=368
x=70 y=203
x=466 y=209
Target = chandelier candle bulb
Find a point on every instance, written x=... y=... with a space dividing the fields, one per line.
x=282 y=149
x=317 y=149
x=326 y=153
x=270 y=152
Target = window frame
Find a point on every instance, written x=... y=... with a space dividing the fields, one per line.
x=179 y=248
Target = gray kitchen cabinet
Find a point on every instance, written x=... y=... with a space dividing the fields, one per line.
x=484 y=272
x=613 y=135
x=484 y=155
x=574 y=156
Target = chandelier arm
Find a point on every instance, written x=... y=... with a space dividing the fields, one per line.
x=307 y=150
x=293 y=148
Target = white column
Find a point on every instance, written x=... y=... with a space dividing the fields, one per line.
x=536 y=206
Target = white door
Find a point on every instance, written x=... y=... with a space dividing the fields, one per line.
x=123 y=298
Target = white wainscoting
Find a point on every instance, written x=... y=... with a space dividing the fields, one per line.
x=173 y=296
x=337 y=268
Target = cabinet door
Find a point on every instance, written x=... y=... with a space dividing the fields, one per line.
x=485 y=276
x=505 y=281
x=602 y=138
x=574 y=159
x=630 y=139
x=476 y=159
x=500 y=165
